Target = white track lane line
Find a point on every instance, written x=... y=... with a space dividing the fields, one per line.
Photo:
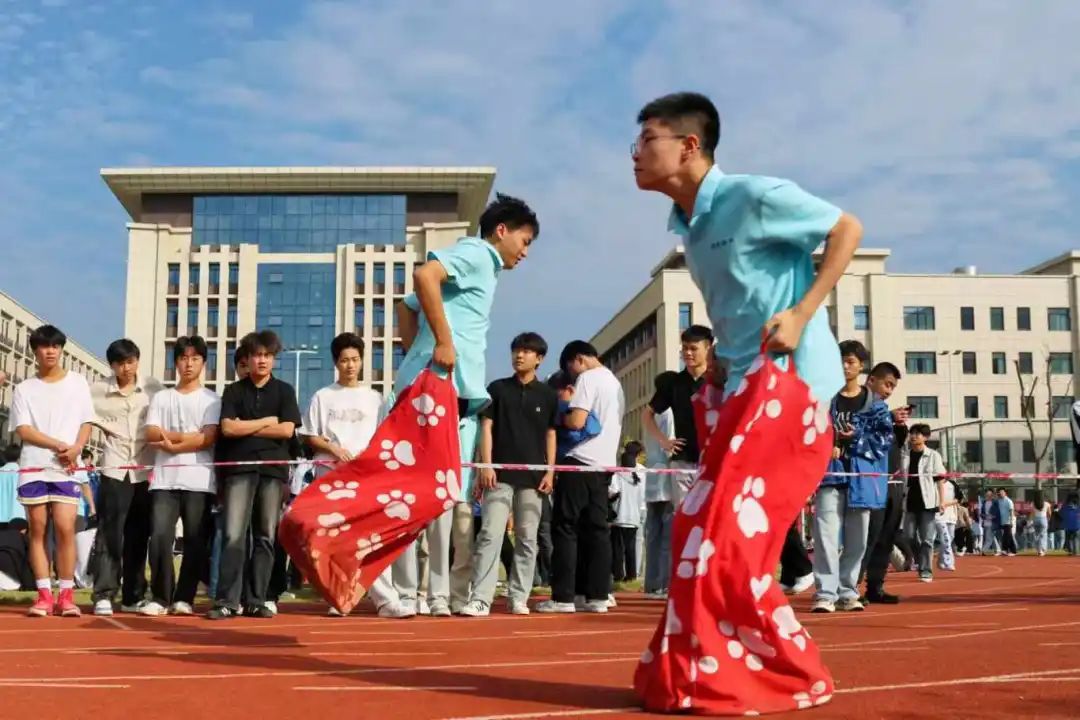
x=383 y=688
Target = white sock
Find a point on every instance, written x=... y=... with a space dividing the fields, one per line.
x=43 y=584
x=67 y=584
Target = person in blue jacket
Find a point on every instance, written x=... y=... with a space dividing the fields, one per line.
x=565 y=438
x=864 y=434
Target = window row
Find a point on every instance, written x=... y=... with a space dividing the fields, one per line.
x=925 y=362
x=922 y=317
x=972 y=452
x=213 y=319
x=194 y=283
x=926 y=407
x=379 y=312
x=378 y=279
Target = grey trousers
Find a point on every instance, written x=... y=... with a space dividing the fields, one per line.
x=454 y=525
x=526 y=505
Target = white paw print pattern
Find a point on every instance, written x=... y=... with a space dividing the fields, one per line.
x=368 y=545
x=339 y=490
x=695 y=499
x=695 y=555
x=816 y=696
x=333 y=524
x=449 y=489
x=747 y=645
x=760 y=585
x=396 y=504
x=430 y=411
x=672 y=626
x=706 y=664
x=751 y=516
x=788 y=626
x=815 y=419
x=397 y=454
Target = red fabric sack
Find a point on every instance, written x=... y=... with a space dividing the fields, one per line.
x=729 y=643
x=349 y=525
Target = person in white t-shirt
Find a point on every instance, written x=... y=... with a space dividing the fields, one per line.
x=339 y=424
x=51 y=413
x=580 y=500
x=182 y=424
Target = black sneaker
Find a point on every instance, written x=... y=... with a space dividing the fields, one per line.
x=258 y=611
x=880 y=597
x=221 y=613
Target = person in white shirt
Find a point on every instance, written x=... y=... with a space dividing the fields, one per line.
x=580 y=500
x=659 y=511
x=627 y=490
x=52 y=415
x=182 y=424
x=340 y=422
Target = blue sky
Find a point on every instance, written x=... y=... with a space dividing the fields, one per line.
x=952 y=129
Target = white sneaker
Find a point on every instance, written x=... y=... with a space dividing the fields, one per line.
x=181 y=608
x=596 y=606
x=396 y=610
x=103 y=608
x=611 y=601
x=271 y=606
x=579 y=602
x=422 y=607
x=550 y=606
x=823 y=606
x=334 y=612
x=475 y=608
x=657 y=595
x=801 y=585
x=439 y=608
x=153 y=609
x=134 y=608
x=519 y=608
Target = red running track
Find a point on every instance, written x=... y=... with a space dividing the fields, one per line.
x=1000 y=638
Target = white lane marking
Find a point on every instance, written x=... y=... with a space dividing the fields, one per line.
x=116 y=623
x=51 y=685
x=1012 y=677
x=826 y=648
x=951 y=636
x=381 y=688
x=550 y=713
x=377 y=654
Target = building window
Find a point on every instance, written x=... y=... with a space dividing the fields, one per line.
x=361 y=278
x=274 y=321
x=1059 y=319
x=923 y=406
x=1062 y=405
x=918 y=318
x=378 y=319
x=192 y=316
x=215 y=279
x=971 y=407
x=1023 y=318
x=967 y=362
x=1027 y=406
x=170 y=363
x=921 y=363
x=212 y=318
x=686 y=315
x=399 y=355
x=997 y=318
x=1063 y=454
x=1028 y=451
x=399 y=278
x=1001 y=407
x=358 y=318
x=234 y=278
x=172 y=318
x=1061 y=363
x=174 y=279
x=972 y=451
x=862 y=317
x=380 y=278
x=276 y=278
x=1026 y=363
x=211 y=361
x=997 y=363
x=1002 y=452
x=967 y=318
x=377 y=360
x=193 y=278
x=230 y=355
x=231 y=318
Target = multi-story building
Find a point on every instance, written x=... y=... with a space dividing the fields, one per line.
x=305 y=252
x=964 y=341
x=17 y=359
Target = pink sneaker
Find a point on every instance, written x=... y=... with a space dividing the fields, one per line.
x=43 y=606
x=65 y=604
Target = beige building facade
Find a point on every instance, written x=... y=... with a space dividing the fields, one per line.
x=959 y=339
x=306 y=252
x=17 y=359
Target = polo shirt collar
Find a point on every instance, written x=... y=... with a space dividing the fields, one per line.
x=495 y=256
x=114 y=387
x=710 y=184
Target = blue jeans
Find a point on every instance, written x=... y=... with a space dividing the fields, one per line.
x=215 y=553
x=919 y=528
x=945 y=532
x=1041 y=537
x=991 y=539
x=839 y=544
x=658 y=516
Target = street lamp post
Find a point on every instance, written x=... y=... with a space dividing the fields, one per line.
x=950 y=447
x=296 y=353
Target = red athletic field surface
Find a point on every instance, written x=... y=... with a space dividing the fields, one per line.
x=998 y=639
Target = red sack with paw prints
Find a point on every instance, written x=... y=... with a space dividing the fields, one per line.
x=349 y=525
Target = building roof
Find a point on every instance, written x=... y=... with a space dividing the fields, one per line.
x=472 y=184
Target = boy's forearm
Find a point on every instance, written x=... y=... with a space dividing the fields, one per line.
x=486 y=440
x=32 y=436
x=551 y=446
x=840 y=247
x=279 y=431
x=408 y=325
x=648 y=419
x=428 y=281
x=233 y=428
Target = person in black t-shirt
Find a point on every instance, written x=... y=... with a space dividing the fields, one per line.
x=259 y=416
x=924 y=496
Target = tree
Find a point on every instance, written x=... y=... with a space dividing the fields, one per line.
x=1027 y=411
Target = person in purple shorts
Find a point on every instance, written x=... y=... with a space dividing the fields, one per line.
x=51 y=413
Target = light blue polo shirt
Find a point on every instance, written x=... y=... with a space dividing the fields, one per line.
x=472 y=265
x=748 y=248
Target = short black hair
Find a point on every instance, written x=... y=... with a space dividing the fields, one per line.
x=560 y=380
x=530 y=341
x=268 y=340
x=856 y=349
x=121 y=350
x=573 y=349
x=343 y=342
x=12 y=453
x=508 y=211
x=87 y=453
x=920 y=429
x=697 y=333
x=195 y=342
x=243 y=349
x=885 y=369
x=690 y=113
x=47 y=336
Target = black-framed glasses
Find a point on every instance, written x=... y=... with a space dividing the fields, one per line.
x=638 y=144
